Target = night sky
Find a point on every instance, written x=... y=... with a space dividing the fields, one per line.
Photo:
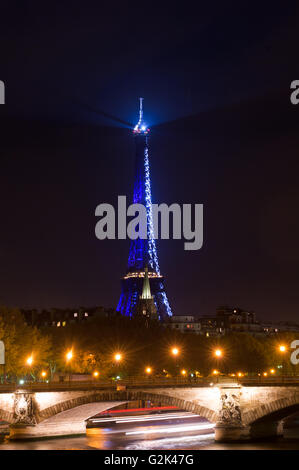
x=216 y=86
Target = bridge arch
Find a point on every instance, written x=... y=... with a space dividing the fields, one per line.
x=125 y=397
x=169 y=400
x=275 y=410
x=78 y=401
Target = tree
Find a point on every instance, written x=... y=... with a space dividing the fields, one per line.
x=22 y=341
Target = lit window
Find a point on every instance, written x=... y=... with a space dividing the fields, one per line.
x=86 y=314
x=63 y=323
x=75 y=314
x=58 y=323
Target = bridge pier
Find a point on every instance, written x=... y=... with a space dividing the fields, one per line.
x=229 y=425
x=24 y=415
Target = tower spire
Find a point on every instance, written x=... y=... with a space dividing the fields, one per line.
x=146 y=288
x=140 y=110
x=141 y=127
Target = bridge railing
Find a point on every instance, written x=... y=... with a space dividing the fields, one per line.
x=135 y=382
x=108 y=384
x=269 y=380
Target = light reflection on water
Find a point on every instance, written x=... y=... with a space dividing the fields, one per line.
x=173 y=443
x=100 y=441
x=105 y=439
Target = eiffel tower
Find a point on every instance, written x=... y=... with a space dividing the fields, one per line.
x=143 y=253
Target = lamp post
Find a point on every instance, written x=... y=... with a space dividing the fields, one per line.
x=29 y=362
x=118 y=358
x=282 y=350
x=69 y=357
x=148 y=371
x=175 y=353
x=43 y=374
x=218 y=353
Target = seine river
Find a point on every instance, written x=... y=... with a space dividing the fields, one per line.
x=169 y=437
x=98 y=442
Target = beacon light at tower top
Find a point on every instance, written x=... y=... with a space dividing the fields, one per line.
x=141 y=127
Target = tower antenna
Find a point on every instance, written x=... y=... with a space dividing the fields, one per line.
x=140 y=110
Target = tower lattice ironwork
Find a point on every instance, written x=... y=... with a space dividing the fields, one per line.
x=143 y=252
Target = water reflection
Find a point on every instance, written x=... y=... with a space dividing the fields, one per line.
x=97 y=442
x=109 y=439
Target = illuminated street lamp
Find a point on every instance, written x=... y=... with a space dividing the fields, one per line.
x=183 y=372
x=148 y=370
x=272 y=371
x=118 y=357
x=69 y=355
x=218 y=354
x=44 y=374
x=96 y=374
x=282 y=349
x=29 y=361
x=265 y=374
x=175 y=352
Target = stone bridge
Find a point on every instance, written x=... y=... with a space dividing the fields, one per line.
x=239 y=412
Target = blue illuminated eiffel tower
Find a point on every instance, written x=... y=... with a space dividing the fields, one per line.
x=143 y=252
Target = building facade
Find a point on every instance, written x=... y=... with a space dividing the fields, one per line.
x=226 y=320
x=61 y=317
x=185 y=324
